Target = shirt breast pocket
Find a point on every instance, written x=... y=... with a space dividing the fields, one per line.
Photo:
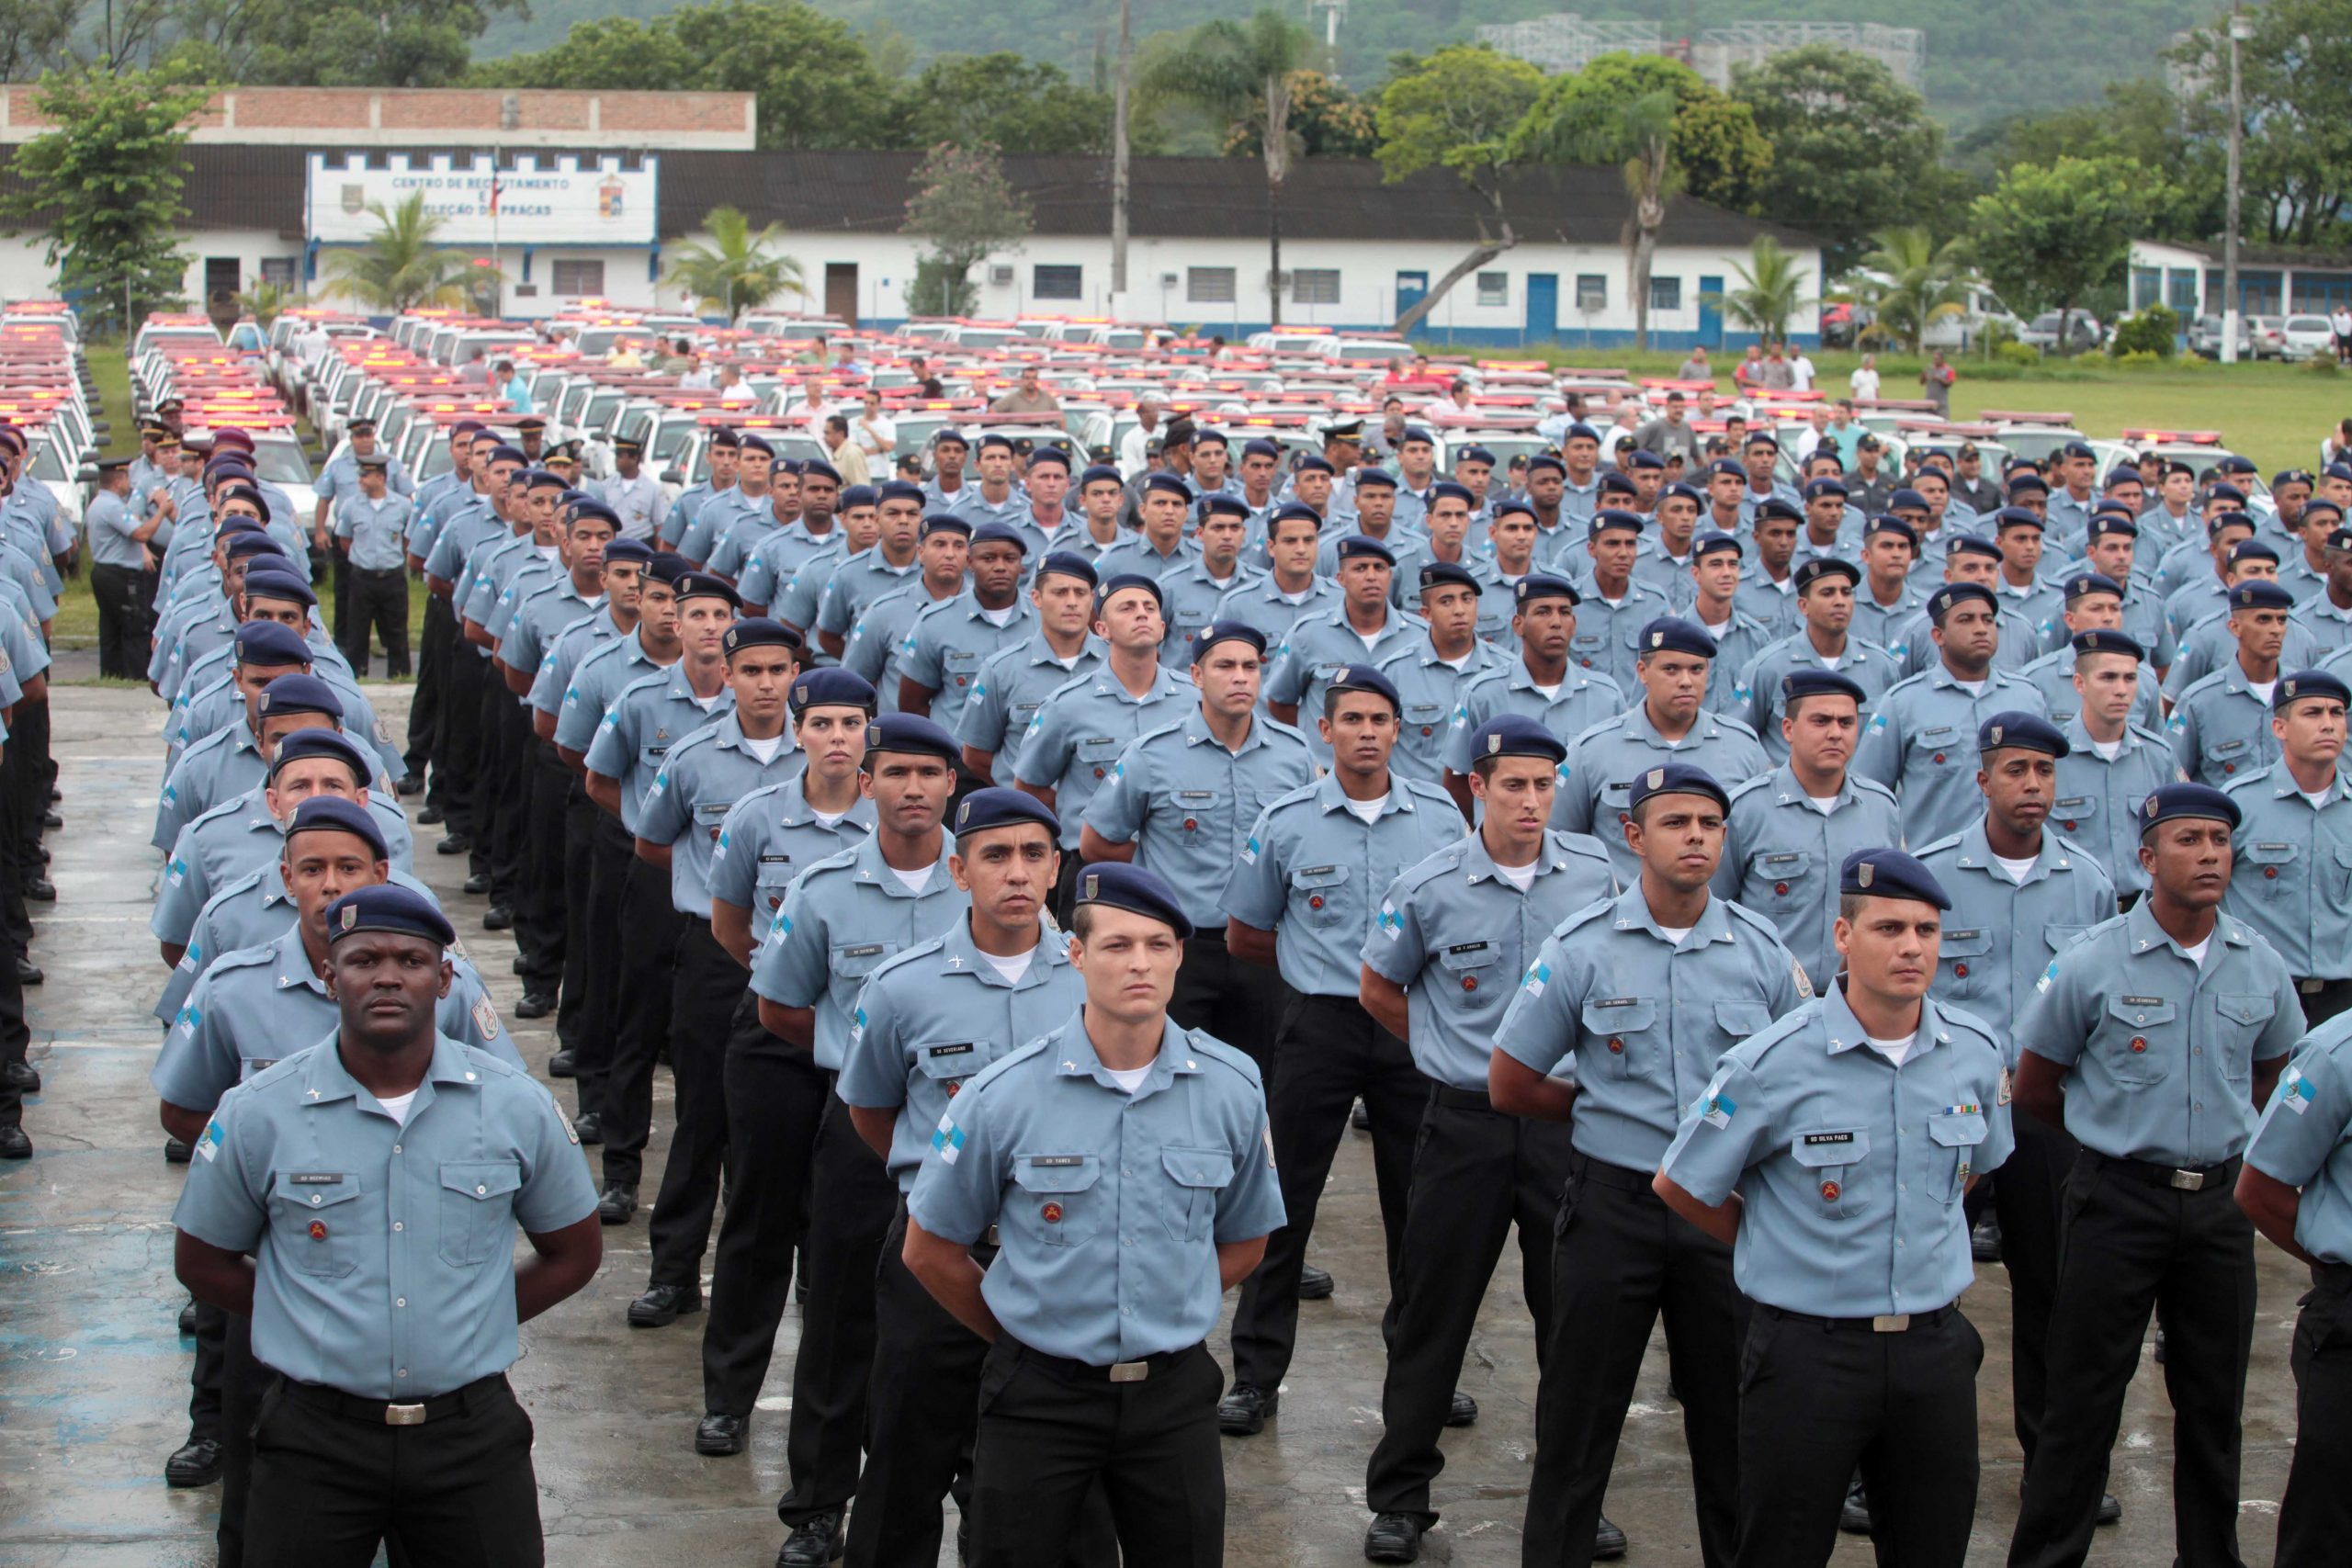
x=1472 y=969
x=948 y=1065
x=1624 y=1039
x=650 y=757
x=2275 y=875
x=1738 y=1021
x=1424 y=719
x=1058 y=1205
x=1195 y=1177
x=2076 y=814
x=1777 y=881
x=2338 y=874
x=1191 y=814
x=1940 y=745
x=2135 y=1038
x=476 y=1209
x=1964 y=961
x=851 y=964
x=2224 y=758
x=312 y=1223
x=1959 y=1132
x=775 y=874
x=1317 y=895
x=1588 y=647
x=709 y=815
x=2243 y=1014
x=1832 y=1160
x=1095 y=754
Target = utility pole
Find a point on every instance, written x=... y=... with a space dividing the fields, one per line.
x=2241 y=28
x=1119 y=163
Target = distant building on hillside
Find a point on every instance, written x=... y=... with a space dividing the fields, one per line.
x=1565 y=41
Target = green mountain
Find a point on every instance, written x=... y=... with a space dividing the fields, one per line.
x=1987 y=60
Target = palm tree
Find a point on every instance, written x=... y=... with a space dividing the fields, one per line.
x=1230 y=69
x=401 y=267
x=1917 y=284
x=736 y=271
x=264 y=302
x=1771 y=290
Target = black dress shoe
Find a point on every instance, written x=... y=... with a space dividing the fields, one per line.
x=2160 y=1345
x=1243 y=1412
x=1984 y=1240
x=1314 y=1284
x=1463 y=1411
x=41 y=890
x=1393 y=1538
x=1607 y=1541
x=14 y=1144
x=188 y=1319
x=52 y=819
x=1854 y=1518
x=56 y=796
x=175 y=1152
x=28 y=972
x=664 y=1305
x=517 y=966
x=1360 y=1118
x=814 y=1544
x=197 y=1463
x=497 y=917
x=563 y=1064
x=2110 y=1512
x=430 y=816
x=719 y=1435
x=478 y=884
x=591 y=1128
x=454 y=844
x=535 y=1004
x=23 y=1076
x=408 y=784
x=617 y=1204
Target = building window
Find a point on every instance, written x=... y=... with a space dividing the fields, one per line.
x=1208 y=285
x=1592 y=293
x=1666 y=294
x=579 y=277
x=2182 y=281
x=279 y=270
x=1315 y=285
x=1056 y=283
x=1493 y=289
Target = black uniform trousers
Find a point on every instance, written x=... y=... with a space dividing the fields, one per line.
x=851 y=1200
x=611 y=853
x=708 y=986
x=506 y=734
x=2028 y=1192
x=2316 y=1517
x=1240 y=1003
x=1620 y=1258
x=571 y=893
x=2133 y=1242
x=925 y=1403
x=651 y=928
x=775 y=1096
x=1052 y=1432
x=374 y=601
x=425 y=708
x=2322 y=999
x=1328 y=1051
x=538 y=907
x=1476 y=1174
x=204 y=1373
x=331 y=1483
x=1820 y=1397
x=126 y=619
x=457 y=757
x=336 y=557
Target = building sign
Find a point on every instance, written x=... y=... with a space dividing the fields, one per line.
x=543 y=201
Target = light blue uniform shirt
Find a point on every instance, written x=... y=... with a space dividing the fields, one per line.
x=570 y=645
x=877 y=643
x=2052 y=675
x=111 y=522
x=1186 y=803
x=1459 y=936
x=841 y=920
x=686 y=508
x=977 y=509
x=1012 y=686
x=543 y=613
x=948 y=642
x=1851 y=1168
x=2328 y=630
x=1431 y=693
x=1607 y=637
x=1866 y=664
x=1109 y=1206
x=378 y=530
x=699 y=782
x=1318 y=649
x=779 y=554
x=1314 y=872
x=932 y=1018
x=1078 y=732
x=2097 y=800
x=1192 y=596
x=297 y=1167
x=1135 y=553
x=1921 y=743
x=2305 y=1139
x=2220 y=728
x=2290 y=874
x=650 y=715
x=1582 y=699
x=701 y=533
x=2208 y=645
x=641 y=503
x=247 y=912
x=1637 y=1020
x=792 y=597
x=239 y=836
x=1773 y=601
x=224 y=765
x=1739 y=644
x=2159 y=1051
x=771 y=835
x=1597 y=780
x=1262 y=604
x=1886 y=624
x=855 y=584
x=605 y=670
x=1999 y=934
x=1782 y=856
x=2020 y=644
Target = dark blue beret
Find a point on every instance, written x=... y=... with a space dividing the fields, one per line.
x=267 y=643
x=1973 y=545
x=1510 y=505
x=2237 y=517
x=1677 y=778
x=2101 y=640
x=1724 y=467
x=2198 y=802
x=1292 y=509
x=1378 y=478
x=324 y=743
x=1890 y=873
x=1215 y=632
x=1819 y=683
x=1614 y=483
x=1167 y=484
x=1475 y=455
x=667 y=566
x=637 y=550
x=854 y=496
x=593 y=508
x=1644 y=459
x=706 y=585
x=2286 y=477
x=1669 y=634
x=999 y=534
x=946 y=523
x=1953 y=594
x=2323 y=507
x=1415 y=433
x=1609 y=517
x=1068 y=563
x=2226 y=491
x=1544 y=460
x=1887 y=523
x=1260 y=446
x=2023 y=731
x=1448 y=490
x=1819 y=566
x=1760 y=438
x=758 y=443
x=2340 y=470
x=831 y=687
x=901 y=490
x=2121 y=474
x=948 y=435
x=1223 y=503
x=1544 y=585
x=995 y=438
x=1314 y=464
x=389 y=906
x=2027 y=482
x=2018 y=517
x=1516 y=735
x=267 y=579
x=1583 y=430
x=758 y=631
x=986 y=809
x=1120 y=581
x=332 y=814
x=2249 y=549
x=1677 y=491
x=541 y=479
x=2077 y=449
x=1363 y=547
x=817 y=468
x=721 y=437
x=1715 y=542
x=909 y=732
x=1364 y=677
x=1907 y=496
x=1448 y=574
x=245 y=547
x=2260 y=593
x=2110 y=524
x=1100 y=473
x=1776 y=506
x=300 y=694
x=2292 y=689
x=1134 y=889
x=2081 y=584
x=502 y=453
x=1815 y=489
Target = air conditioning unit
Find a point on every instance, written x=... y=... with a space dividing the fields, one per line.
x=1000 y=275
x=1169 y=280
x=1278 y=281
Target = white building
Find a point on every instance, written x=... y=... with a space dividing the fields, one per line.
x=2273 y=280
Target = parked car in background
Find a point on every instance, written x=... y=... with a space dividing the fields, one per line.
x=2042 y=333
x=2270 y=336
x=2205 y=337
x=2303 y=337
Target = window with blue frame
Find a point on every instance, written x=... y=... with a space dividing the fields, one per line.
x=2180 y=283
x=1057 y=283
x=1666 y=294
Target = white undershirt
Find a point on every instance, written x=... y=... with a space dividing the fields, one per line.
x=2319 y=802
x=999 y=618
x=1715 y=631
x=1368 y=810
x=705 y=704
x=1677 y=933
x=828 y=817
x=1520 y=877
x=1370 y=639
x=2196 y=954
x=2017 y=869
x=2109 y=749
x=1552 y=692
x=1129 y=1078
x=916 y=880
x=1011 y=968
x=396 y=1107
x=764 y=750
x=1825 y=804
x=1299 y=598
x=1893 y=1050
x=1973 y=688
x=2261 y=689
x=1463 y=662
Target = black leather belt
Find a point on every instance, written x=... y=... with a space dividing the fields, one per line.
x=2184 y=1178
x=1625 y=1178
x=1886 y=1322
x=1138 y=1371
x=391 y=1412
x=1463 y=1098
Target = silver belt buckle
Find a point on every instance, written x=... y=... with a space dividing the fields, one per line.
x=2187 y=1181
x=403 y=1414
x=2311 y=987
x=1130 y=1371
x=989 y=1237
x=1890 y=1322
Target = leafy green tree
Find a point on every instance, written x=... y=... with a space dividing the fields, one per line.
x=2052 y=236
x=34 y=36
x=1457 y=110
x=1770 y=291
x=2138 y=119
x=400 y=268
x=104 y=189
x=1853 y=148
x=968 y=211
x=1917 y=284
x=1229 y=69
x=264 y=302
x=736 y=270
x=1018 y=104
x=2297 y=162
x=1637 y=135
x=1326 y=122
x=330 y=43
x=2155 y=330
x=1715 y=143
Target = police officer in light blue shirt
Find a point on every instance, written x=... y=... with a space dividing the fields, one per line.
x=2324 y=614
x=2290 y=871
x=2221 y=724
x=1825 y=639
x=1543 y=682
x=2154 y=1039
x=1014 y=682
x=1612 y=605
x=2111 y=764
x=1098 y=1320
x=1364 y=627
x=1290 y=589
x=876 y=644
x=1623 y=1014
x=1970 y=557
x=1159 y=547
x=2206 y=643
x=1192 y=591
x=1452 y=938
x=1849 y=1133
x=1790 y=829
x=951 y=638
x=2093 y=602
x=1432 y=672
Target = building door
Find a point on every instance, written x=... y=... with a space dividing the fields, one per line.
x=1711 y=313
x=841 y=292
x=1543 y=307
x=224 y=280
x=1412 y=288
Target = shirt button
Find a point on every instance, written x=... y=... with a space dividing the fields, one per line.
x=479 y=1191
x=1127 y=1312
x=399 y=1301
x=396 y=1225
x=401 y=1373
x=396 y=1148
